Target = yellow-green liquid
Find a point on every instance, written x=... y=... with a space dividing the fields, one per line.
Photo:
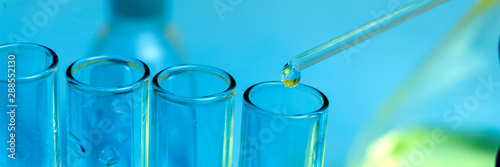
x=428 y=148
x=290 y=75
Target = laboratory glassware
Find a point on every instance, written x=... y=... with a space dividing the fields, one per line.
x=30 y=118
x=447 y=108
x=191 y=120
x=107 y=117
x=290 y=74
x=283 y=126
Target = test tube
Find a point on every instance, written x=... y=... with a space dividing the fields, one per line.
x=192 y=117
x=30 y=123
x=283 y=126
x=107 y=119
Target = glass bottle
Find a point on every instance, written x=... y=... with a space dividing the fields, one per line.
x=137 y=28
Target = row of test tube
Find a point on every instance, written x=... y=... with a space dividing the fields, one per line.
x=183 y=117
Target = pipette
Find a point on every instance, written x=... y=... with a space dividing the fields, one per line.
x=290 y=74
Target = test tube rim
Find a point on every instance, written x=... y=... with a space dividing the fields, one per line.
x=318 y=112
x=220 y=96
x=74 y=83
x=38 y=75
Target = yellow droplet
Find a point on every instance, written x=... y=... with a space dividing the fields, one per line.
x=290 y=75
x=290 y=83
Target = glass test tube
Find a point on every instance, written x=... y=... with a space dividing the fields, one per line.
x=192 y=117
x=107 y=119
x=283 y=126
x=29 y=119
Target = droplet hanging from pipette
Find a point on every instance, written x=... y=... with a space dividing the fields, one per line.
x=290 y=75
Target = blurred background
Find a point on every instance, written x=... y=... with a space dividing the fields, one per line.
x=420 y=94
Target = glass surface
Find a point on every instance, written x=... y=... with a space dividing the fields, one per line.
x=29 y=120
x=108 y=99
x=192 y=117
x=283 y=126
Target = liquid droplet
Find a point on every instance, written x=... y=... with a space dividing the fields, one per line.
x=290 y=75
x=109 y=156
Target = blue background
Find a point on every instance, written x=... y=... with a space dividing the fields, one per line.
x=256 y=38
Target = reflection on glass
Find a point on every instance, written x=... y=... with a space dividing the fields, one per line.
x=108 y=99
x=283 y=126
x=192 y=117
x=30 y=118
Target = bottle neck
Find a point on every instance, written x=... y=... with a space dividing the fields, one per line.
x=146 y=10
